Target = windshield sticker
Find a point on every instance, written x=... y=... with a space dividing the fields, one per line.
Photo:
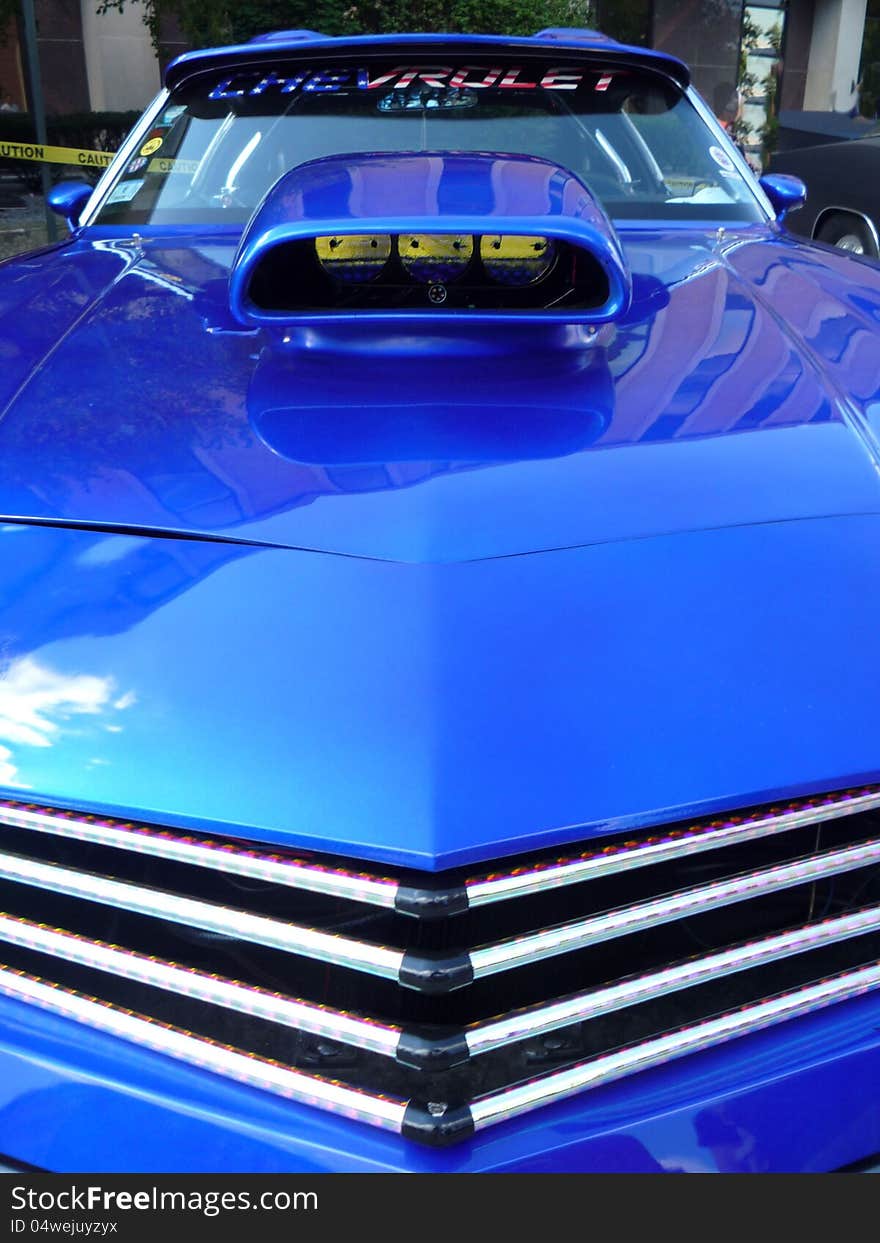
x=125 y=191
x=722 y=159
x=604 y=82
x=437 y=77
x=149 y=147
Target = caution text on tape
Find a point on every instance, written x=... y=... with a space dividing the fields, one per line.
x=42 y=153
x=172 y=166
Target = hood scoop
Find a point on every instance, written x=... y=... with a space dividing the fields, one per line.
x=415 y=237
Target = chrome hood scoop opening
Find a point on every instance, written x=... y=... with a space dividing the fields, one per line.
x=428 y=238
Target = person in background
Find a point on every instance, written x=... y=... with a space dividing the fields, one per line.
x=728 y=105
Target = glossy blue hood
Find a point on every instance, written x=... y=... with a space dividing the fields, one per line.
x=700 y=631
x=129 y=397
x=438 y=714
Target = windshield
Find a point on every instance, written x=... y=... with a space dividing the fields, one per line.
x=631 y=136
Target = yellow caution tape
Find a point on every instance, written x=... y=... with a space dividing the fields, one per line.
x=159 y=165
x=44 y=154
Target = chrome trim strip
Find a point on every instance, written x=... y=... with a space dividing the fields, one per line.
x=499 y=1106
x=633 y=854
x=383 y=891
x=518 y=951
x=295 y=1085
x=217 y=855
x=576 y=1009
x=226 y=920
x=197 y=985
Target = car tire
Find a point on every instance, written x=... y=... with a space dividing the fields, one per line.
x=849 y=233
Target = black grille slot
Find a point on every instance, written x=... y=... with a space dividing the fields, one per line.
x=453 y=990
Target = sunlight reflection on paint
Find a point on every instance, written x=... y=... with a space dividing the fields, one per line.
x=36 y=702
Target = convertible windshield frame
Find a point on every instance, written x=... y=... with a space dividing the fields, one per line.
x=115 y=173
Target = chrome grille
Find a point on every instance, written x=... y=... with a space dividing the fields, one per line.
x=436 y=1006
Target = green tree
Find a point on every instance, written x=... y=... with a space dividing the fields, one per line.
x=205 y=22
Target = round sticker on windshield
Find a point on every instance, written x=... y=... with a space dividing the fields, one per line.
x=722 y=159
x=155 y=143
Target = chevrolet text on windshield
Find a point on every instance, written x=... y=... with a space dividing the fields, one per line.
x=470 y=77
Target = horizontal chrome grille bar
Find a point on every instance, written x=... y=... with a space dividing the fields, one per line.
x=389 y=1112
x=434 y=901
x=497 y=1107
x=643 y=852
x=532 y=947
x=227 y=921
x=384 y=1039
x=199 y=986
x=218 y=856
x=306 y=1089
x=577 y=1009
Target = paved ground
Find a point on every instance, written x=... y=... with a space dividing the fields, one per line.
x=22 y=217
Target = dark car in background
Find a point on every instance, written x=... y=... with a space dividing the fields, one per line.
x=839 y=159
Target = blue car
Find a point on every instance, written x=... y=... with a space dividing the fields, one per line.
x=439 y=615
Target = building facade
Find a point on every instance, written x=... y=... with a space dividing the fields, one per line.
x=88 y=62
